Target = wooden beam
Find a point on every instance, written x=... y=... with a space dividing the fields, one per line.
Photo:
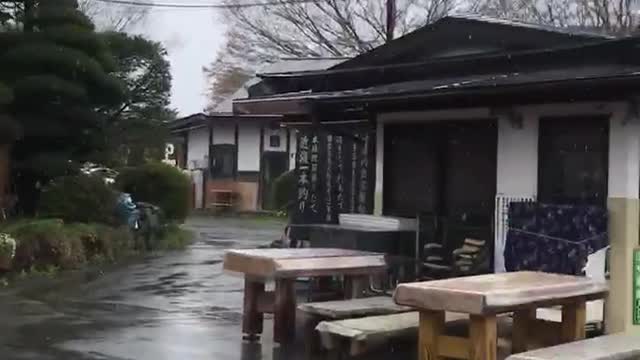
x=266 y=302
x=544 y=333
x=236 y=135
x=522 y=321
x=574 y=318
x=261 y=169
x=453 y=347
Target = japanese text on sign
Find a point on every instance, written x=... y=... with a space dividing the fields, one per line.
x=328 y=187
x=364 y=174
x=339 y=175
x=303 y=172
x=315 y=155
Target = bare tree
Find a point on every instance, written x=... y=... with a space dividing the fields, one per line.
x=228 y=72
x=114 y=17
x=607 y=16
x=341 y=28
x=327 y=28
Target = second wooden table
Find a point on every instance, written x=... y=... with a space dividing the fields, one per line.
x=485 y=296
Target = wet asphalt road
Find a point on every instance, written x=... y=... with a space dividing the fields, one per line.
x=172 y=307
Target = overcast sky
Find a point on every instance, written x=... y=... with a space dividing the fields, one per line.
x=192 y=38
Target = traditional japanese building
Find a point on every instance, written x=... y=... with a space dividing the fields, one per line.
x=234 y=159
x=465 y=116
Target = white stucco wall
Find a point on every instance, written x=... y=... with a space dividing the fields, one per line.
x=198 y=148
x=249 y=146
x=224 y=133
x=517 y=163
x=624 y=154
x=283 y=139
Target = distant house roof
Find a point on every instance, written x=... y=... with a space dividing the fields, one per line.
x=284 y=66
x=186 y=123
x=224 y=110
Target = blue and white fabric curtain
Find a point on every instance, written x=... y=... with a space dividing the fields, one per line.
x=554 y=238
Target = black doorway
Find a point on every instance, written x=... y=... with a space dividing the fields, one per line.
x=447 y=170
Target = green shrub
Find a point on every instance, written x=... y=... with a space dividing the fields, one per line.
x=102 y=241
x=284 y=189
x=42 y=244
x=159 y=184
x=78 y=198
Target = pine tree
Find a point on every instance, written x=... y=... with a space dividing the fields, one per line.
x=60 y=73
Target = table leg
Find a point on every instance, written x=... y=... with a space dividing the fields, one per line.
x=252 y=318
x=574 y=318
x=522 y=322
x=355 y=286
x=431 y=327
x=311 y=336
x=284 y=317
x=484 y=338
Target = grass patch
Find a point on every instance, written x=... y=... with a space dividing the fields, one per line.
x=174 y=237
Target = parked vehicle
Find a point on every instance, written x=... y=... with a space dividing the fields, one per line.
x=109 y=175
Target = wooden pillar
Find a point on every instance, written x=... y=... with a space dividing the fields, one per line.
x=284 y=317
x=378 y=205
x=252 y=318
x=624 y=216
x=483 y=336
x=431 y=328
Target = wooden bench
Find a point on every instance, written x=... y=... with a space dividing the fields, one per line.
x=317 y=312
x=345 y=309
x=222 y=198
x=610 y=347
x=357 y=336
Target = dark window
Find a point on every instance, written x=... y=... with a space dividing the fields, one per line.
x=573 y=160
x=274 y=141
x=223 y=161
x=428 y=167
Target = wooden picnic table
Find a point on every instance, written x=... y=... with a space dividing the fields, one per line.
x=284 y=266
x=485 y=296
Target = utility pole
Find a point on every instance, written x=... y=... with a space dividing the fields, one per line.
x=29 y=6
x=391 y=19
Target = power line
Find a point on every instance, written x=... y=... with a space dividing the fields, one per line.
x=206 y=6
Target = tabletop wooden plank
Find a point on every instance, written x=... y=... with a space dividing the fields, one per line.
x=282 y=263
x=303 y=253
x=484 y=294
